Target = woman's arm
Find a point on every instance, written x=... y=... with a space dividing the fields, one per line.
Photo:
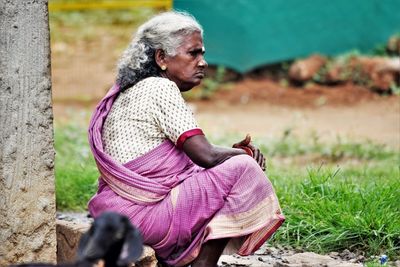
x=206 y=155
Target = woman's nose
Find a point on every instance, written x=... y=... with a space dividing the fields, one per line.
x=203 y=63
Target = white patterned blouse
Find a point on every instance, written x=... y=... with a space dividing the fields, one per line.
x=144 y=116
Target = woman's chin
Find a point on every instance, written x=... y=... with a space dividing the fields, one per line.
x=188 y=86
x=185 y=89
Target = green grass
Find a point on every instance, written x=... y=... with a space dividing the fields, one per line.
x=76 y=172
x=331 y=209
x=342 y=195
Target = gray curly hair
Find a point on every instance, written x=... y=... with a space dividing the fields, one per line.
x=165 y=31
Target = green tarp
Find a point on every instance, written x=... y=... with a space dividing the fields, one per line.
x=246 y=34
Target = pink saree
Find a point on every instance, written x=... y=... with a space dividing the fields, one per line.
x=178 y=205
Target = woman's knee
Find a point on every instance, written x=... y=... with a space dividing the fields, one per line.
x=245 y=163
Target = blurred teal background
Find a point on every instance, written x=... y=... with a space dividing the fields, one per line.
x=246 y=34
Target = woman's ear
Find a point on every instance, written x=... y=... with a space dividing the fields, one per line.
x=160 y=57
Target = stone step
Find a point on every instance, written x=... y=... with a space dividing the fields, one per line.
x=69 y=233
x=70 y=228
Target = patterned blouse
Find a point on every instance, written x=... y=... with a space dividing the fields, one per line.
x=144 y=116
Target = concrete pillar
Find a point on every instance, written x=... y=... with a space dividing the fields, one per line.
x=27 y=195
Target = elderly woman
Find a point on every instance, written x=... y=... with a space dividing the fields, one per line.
x=190 y=199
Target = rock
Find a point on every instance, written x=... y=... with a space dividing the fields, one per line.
x=234 y=260
x=298 y=249
x=359 y=258
x=148 y=258
x=334 y=255
x=310 y=259
x=378 y=73
x=68 y=235
x=305 y=69
x=306 y=259
x=347 y=255
x=393 y=45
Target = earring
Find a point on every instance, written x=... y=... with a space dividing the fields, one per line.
x=163 y=67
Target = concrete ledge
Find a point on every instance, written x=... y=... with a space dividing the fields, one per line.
x=68 y=235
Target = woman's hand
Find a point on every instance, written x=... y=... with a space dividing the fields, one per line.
x=251 y=150
x=206 y=155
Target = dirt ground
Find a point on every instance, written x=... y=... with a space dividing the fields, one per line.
x=350 y=113
x=265 y=109
x=257 y=105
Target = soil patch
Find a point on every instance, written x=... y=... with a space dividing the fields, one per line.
x=310 y=95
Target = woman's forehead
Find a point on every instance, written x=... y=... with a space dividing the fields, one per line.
x=194 y=40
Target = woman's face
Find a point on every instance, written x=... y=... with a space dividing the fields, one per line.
x=187 y=67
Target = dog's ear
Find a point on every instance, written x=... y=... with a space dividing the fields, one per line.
x=89 y=248
x=133 y=246
x=83 y=242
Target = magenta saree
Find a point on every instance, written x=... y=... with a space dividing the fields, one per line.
x=178 y=205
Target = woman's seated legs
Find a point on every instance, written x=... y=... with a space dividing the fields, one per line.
x=210 y=253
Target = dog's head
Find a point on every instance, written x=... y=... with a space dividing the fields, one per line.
x=111 y=237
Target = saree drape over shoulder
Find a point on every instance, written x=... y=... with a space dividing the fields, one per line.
x=178 y=205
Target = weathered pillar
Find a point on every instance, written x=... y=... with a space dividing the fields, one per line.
x=27 y=195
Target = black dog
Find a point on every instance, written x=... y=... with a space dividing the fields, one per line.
x=111 y=238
